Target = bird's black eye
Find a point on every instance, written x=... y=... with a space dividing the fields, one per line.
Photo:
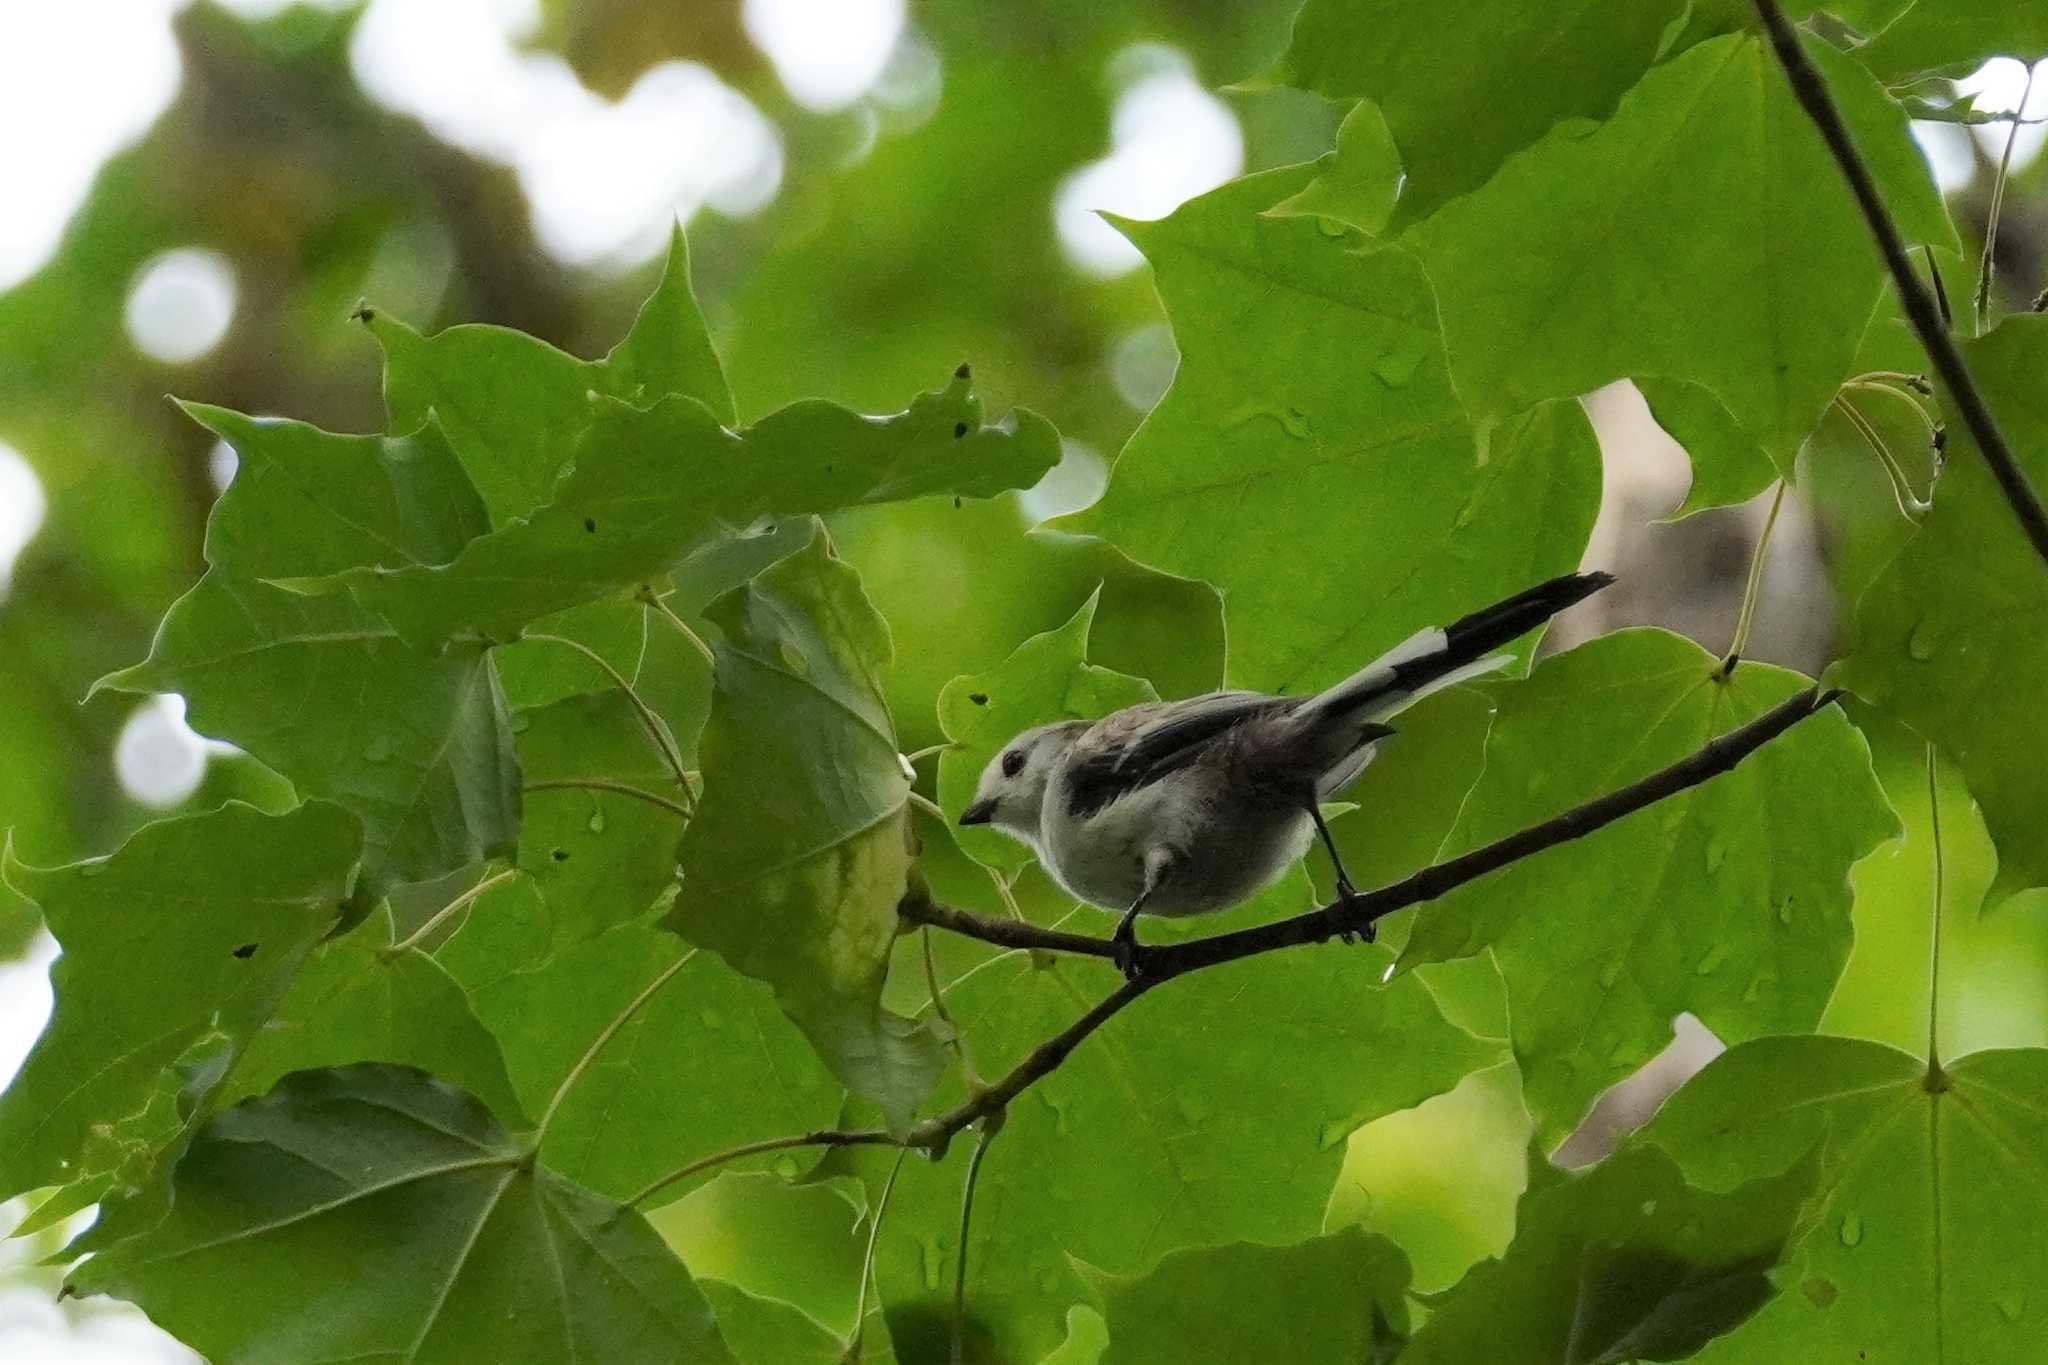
x=1013 y=763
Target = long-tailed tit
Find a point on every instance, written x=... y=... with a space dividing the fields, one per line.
x=1185 y=807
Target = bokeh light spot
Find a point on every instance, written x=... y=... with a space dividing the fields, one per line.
x=158 y=758
x=827 y=52
x=180 y=305
x=1170 y=140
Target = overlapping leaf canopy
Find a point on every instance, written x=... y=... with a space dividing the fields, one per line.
x=594 y=700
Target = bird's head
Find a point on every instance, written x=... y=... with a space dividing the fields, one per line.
x=1011 y=791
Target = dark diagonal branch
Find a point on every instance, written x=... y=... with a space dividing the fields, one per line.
x=1717 y=756
x=1008 y=933
x=1162 y=964
x=1812 y=94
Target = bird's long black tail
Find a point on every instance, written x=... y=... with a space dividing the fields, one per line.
x=1463 y=649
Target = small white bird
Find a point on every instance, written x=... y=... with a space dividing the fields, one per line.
x=1185 y=807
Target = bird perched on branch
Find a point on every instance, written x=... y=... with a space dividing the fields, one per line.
x=1186 y=807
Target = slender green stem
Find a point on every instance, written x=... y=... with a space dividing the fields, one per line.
x=1902 y=395
x=825 y=1137
x=928 y=806
x=1934 y=950
x=1923 y=309
x=603 y=1039
x=926 y=752
x=1909 y=503
x=648 y=596
x=605 y=784
x=1986 y=265
x=989 y=1127
x=1750 y=589
x=867 y=1260
x=1918 y=383
x=1008 y=895
x=441 y=916
x=657 y=733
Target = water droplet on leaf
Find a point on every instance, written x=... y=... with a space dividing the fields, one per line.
x=379 y=749
x=1717 y=854
x=934 y=1263
x=2012 y=1304
x=1925 y=641
x=786 y=1166
x=1852 y=1229
x=596 y=825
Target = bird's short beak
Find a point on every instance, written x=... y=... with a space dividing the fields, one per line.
x=980 y=813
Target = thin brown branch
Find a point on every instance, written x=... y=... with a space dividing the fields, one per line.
x=1162 y=964
x=1812 y=94
x=1005 y=933
x=934 y=1133
x=1717 y=756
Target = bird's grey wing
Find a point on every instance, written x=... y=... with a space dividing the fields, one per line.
x=1133 y=749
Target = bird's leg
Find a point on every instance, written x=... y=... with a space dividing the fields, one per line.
x=1346 y=892
x=1128 y=952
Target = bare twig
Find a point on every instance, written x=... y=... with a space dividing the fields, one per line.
x=1812 y=94
x=1006 y=933
x=1315 y=926
x=1162 y=964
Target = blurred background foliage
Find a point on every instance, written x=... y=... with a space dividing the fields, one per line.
x=199 y=193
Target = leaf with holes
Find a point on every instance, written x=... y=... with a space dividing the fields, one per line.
x=513 y=406
x=180 y=938
x=649 y=485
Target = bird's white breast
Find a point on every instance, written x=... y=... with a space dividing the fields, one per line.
x=1223 y=854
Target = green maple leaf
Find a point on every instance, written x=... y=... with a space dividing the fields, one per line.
x=1311 y=460
x=179 y=939
x=1609 y=252
x=1947 y=628
x=1730 y=899
x=797 y=856
x=371 y=1211
x=1624 y=1263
